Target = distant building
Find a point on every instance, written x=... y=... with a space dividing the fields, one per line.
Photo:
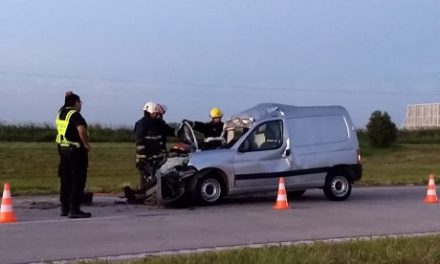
x=422 y=116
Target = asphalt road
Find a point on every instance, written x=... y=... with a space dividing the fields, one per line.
x=119 y=229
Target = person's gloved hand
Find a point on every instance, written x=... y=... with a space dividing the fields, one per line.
x=188 y=121
x=178 y=129
x=141 y=163
x=149 y=179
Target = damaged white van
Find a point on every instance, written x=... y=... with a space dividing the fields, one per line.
x=311 y=147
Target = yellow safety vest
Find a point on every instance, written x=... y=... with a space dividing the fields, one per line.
x=62 y=128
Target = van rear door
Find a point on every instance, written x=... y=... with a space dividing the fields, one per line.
x=318 y=143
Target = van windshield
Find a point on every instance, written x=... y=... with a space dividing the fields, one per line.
x=235 y=128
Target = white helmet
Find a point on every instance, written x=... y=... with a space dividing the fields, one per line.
x=150 y=107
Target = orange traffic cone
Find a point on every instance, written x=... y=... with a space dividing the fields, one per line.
x=281 y=203
x=431 y=195
x=6 y=212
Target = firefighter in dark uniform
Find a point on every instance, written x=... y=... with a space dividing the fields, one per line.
x=73 y=148
x=212 y=129
x=150 y=134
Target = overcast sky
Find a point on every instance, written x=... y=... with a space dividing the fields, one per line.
x=194 y=55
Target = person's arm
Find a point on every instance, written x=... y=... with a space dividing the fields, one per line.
x=138 y=133
x=139 y=138
x=81 y=126
x=82 y=131
x=169 y=131
x=200 y=127
x=166 y=130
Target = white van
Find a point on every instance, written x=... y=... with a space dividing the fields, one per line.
x=311 y=147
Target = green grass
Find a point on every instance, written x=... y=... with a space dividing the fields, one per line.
x=405 y=164
x=424 y=250
x=31 y=168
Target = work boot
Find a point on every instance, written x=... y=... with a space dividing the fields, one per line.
x=79 y=214
x=132 y=196
x=64 y=211
x=129 y=193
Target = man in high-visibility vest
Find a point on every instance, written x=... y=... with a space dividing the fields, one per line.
x=73 y=147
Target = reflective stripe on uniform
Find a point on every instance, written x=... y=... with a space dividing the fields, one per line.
x=153 y=137
x=138 y=156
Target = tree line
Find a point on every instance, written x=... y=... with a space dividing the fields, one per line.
x=380 y=132
x=47 y=133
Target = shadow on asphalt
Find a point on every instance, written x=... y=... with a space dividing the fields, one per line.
x=373 y=194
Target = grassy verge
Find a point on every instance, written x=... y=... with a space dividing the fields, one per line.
x=406 y=164
x=31 y=168
x=390 y=250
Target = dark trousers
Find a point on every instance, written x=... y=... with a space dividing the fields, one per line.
x=72 y=171
x=147 y=178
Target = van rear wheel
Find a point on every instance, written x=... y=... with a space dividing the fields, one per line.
x=337 y=187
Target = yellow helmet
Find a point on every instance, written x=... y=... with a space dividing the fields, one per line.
x=215 y=113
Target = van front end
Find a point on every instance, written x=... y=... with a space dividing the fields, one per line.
x=175 y=181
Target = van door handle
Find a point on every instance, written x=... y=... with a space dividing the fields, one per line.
x=286 y=153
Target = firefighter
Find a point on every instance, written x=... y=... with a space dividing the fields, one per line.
x=73 y=147
x=150 y=134
x=211 y=129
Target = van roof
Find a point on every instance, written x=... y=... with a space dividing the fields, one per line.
x=268 y=110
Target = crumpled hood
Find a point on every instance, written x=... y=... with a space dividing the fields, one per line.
x=212 y=158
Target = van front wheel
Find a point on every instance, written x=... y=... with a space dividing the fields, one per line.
x=337 y=187
x=209 y=190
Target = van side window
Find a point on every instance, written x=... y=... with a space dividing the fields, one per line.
x=312 y=130
x=266 y=136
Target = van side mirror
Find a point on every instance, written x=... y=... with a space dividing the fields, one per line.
x=286 y=153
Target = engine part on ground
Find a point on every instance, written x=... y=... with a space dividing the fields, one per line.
x=132 y=196
x=141 y=197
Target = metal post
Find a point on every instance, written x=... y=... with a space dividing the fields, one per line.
x=159 y=188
